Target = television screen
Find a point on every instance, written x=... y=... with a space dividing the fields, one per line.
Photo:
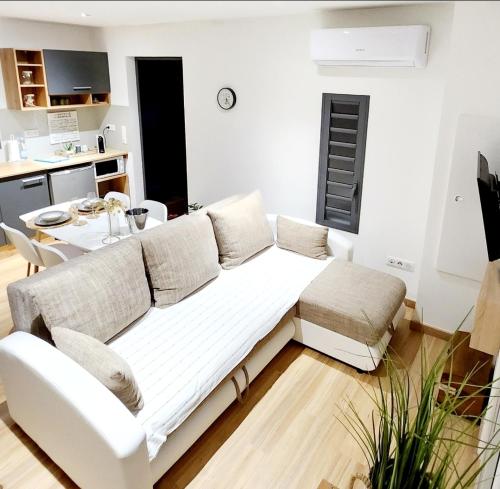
x=490 y=206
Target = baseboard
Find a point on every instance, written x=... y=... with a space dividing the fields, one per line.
x=410 y=303
x=430 y=330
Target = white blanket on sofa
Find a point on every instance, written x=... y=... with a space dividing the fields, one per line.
x=181 y=353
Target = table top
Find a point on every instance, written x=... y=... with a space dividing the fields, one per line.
x=88 y=237
x=24 y=167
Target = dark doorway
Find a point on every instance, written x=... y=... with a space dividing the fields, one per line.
x=160 y=97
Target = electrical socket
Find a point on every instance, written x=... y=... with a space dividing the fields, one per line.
x=31 y=133
x=111 y=127
x=394 y=261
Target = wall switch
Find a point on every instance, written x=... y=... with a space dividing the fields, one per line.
x=394 y=261
x=111 y=127
x=31 y=133
x=124 y=134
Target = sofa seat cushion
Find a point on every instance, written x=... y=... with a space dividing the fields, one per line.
x=241 y=229
x=181 y=353
x=103 y=363
x=180 y=257
x=344 y=295
x=97 y=294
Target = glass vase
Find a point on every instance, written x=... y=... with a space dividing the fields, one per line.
x=113 y=228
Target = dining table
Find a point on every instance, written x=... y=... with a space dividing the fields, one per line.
x=83 y=231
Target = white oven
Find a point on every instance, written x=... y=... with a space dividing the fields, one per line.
x=106 y=168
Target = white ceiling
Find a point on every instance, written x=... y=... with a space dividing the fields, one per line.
x=115 y=13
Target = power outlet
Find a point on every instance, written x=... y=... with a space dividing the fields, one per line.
x=394 y=261
x=31 y=133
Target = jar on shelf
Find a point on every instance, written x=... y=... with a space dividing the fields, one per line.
x=29 y=100
x=26 y=77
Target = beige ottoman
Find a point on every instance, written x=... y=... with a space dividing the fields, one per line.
x=350 y=312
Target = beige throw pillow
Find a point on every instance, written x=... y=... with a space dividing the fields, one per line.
x=180 y=257
x=103 y=363
x=98 y=294
x=301 y=238
x=241 y=229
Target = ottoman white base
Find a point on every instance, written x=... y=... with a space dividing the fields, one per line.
x=352 y=352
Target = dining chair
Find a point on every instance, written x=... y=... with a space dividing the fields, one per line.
x=123 y=198
x=157 y=210
x=29 y=250
x=56 y=253
x=24 y=247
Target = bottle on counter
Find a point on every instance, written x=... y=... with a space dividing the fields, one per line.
x=12 y=152
x=23 y=152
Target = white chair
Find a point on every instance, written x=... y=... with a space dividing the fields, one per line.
x=24 y=247
x=123 y=198
x=29 y=250
x=56 y=253
x=157 y=210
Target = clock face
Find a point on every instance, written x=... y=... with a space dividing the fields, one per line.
x=226 y=98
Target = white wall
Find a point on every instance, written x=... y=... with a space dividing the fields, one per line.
x=472 y=88
x=15 y=33
x=270 y=139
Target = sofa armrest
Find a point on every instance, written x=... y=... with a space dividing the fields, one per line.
x=77 y=421
x=338 y=245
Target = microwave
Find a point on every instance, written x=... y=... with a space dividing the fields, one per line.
x=106 y=168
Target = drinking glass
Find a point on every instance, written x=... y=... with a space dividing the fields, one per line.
x=91 y=196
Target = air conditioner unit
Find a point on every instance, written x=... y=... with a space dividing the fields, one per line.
x=406 y=45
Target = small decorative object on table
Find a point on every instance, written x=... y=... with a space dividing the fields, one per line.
x=113 y=207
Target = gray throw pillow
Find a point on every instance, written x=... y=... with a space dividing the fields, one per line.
x=180 y=257
x=302 y=238
x=241 y=229
x=103 y=363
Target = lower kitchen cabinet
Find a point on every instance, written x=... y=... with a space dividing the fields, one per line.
x=20 y=196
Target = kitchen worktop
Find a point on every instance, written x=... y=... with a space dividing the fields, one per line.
x=25 y=167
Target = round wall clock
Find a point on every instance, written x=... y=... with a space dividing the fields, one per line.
x=226 y=98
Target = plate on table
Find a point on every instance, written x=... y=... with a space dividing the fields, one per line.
x=88 y=204
x=50 y=217
x=63 y=217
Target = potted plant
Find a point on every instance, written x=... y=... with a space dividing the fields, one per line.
x=411 y=441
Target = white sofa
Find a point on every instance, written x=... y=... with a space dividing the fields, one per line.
x=88 y=432
x=93 y=437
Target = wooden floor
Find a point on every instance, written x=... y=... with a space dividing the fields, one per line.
x=286 y=435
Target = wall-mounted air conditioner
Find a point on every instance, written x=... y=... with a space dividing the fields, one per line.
x=372 y=46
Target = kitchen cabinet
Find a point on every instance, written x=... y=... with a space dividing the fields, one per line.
x=76 y=72
x=59 y=79
x=21 y=196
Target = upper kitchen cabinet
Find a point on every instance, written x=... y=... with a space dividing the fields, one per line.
x=76 y=72
x=55 y=79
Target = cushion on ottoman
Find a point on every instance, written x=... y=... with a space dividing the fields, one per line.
x=340 y=296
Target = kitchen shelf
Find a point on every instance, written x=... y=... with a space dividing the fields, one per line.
x=15 y=61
